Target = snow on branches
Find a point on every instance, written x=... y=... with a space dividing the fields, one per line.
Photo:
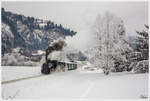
x=110 y=32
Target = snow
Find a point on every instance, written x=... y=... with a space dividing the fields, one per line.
x=21 y=27
x=42 y=24
x=110 y=32
x=16 y=59
x=141 y=66
x=76 y=84
x=38 y=34
x=6 y=30
x=40 y=52
x=14 y=72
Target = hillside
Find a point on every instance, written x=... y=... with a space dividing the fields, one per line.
x=29 y=33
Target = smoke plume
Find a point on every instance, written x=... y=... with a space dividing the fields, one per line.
x=55 y=46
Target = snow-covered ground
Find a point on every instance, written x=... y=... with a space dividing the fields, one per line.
x=17 y=72
x=78 y=84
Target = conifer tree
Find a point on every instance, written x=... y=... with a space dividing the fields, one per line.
x=141 y=60
x=142 y=45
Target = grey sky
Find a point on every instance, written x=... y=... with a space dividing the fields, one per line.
x=80 y=16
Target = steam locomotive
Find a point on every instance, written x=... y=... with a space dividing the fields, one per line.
x=52 y=65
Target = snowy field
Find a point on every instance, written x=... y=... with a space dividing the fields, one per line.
x=12 y=72
x=75 y=84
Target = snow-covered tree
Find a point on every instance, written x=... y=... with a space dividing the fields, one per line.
x=142 y=46
x=141 y=54
x=112 y=45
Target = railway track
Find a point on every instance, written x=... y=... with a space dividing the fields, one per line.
x=25 y=78
x=21 y=79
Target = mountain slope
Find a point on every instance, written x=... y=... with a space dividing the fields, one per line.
x=29 y=33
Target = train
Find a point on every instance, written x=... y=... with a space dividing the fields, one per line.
x=52 y=65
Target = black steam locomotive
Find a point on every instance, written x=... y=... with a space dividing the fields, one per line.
x=52 y=65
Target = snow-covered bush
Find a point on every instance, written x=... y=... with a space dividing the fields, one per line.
x=9 y=59
x=16 y=59
x=140 y=67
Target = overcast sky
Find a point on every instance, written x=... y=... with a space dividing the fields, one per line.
x=80 y=16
